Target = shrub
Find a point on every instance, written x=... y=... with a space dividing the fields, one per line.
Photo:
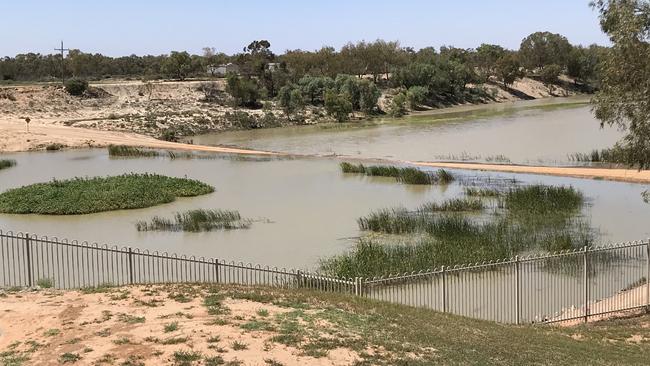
x=397 y=106
x=338 y=105
x=76 y=86
x=416 y=95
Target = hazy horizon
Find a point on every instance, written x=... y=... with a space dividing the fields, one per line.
x=120 y=28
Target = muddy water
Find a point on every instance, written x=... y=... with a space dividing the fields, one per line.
x=310 y=206
x=535 y=132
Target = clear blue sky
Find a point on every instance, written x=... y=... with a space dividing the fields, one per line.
x=120 y=27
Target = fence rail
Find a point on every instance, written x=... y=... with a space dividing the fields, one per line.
x=562 y=286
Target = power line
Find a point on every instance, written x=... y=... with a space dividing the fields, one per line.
x=62 y=61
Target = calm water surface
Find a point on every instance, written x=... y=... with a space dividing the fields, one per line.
x=312 y=207
x=536 y=132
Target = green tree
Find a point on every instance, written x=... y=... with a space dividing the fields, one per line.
x=368 y=96
x=549 y=76
x=508 y=69
x=486 y=58
x=178 y=65
x=338 y=105
x=624 y=95
x=397 y=106
x=290 y=99
x=416 y=95
x=244 y=90
x=544 y=48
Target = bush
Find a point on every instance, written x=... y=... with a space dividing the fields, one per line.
x=76 y=86
x=397 y=106
x=338 y=105
x=416 y=95
x=245 y=91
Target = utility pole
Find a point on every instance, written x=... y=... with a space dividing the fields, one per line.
x=62 y=61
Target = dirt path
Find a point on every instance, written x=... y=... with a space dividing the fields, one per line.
x=622 y=175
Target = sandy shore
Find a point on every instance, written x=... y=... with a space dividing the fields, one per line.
x=622 y=175
x=14 y=138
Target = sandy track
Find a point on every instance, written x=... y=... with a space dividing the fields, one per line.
x=622 y=175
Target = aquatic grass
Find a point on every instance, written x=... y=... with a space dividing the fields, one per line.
x=196 y=220
x=406 y=175
x=453 y=205
x=7 y=163
x=612 y=155
x=481 y=192
x=543 y=200
x=130 y=151
x=88 y=195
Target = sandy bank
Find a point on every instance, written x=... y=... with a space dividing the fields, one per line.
x=14 y=138
x=621 y=175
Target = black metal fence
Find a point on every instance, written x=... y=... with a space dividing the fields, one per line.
x=563 y=286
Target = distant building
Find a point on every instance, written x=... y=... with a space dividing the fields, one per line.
x=272 y=66
x=222 y=70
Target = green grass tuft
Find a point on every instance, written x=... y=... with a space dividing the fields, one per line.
x=196 y=220
x=406 y=175
x=7 y=163
x=130 y=151
x=88 y=195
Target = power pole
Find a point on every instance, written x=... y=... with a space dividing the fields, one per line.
x=62 y=61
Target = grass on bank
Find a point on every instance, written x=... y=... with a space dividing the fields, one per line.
x=195 y=221
x=88 y=195
x=130 y=151
x=7 y=163
x=406 y=175
x=531 y=218
x=381 y=333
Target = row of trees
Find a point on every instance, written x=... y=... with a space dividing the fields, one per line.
x=379 y=60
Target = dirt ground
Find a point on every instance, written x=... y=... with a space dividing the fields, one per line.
x=152 y=325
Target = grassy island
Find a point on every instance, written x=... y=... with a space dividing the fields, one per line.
x=88 y=195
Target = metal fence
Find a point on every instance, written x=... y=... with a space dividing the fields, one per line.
x=563 y=286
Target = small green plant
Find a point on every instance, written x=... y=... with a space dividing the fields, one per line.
x=185 y=357
x=239 y=346
x=213 y=361
x=122 y=340
x=171 y=327
x=174 y=340
x=7 y=163
x=69 y=357
x=52 y=332
x=131 y=319
x=263 y=312
x=213 y=339
x=45 y=283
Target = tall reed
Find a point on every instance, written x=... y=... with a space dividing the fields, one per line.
x=196 y=220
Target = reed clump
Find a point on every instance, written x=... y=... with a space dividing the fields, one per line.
x=131 y=151
x=88 y=195
x=406 y=175
x=196 y=221
x=7 y=163
x=527 y=218
x=482 y=192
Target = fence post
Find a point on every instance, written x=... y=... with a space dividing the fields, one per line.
x=444 y=289
x=216 y=270
x=586 y=279
x=647 y=278
x=517 y=291
x=28 y=260
x=130 y=266
x=299 y=278
x=357 y=286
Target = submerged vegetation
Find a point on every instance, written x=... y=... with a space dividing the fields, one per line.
x=7 y=163
x=130 y=151
x=526 y=218
x=88 y=195
x=406 y=175
x=196 y=220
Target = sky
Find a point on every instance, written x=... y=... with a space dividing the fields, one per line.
x=121 y=27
